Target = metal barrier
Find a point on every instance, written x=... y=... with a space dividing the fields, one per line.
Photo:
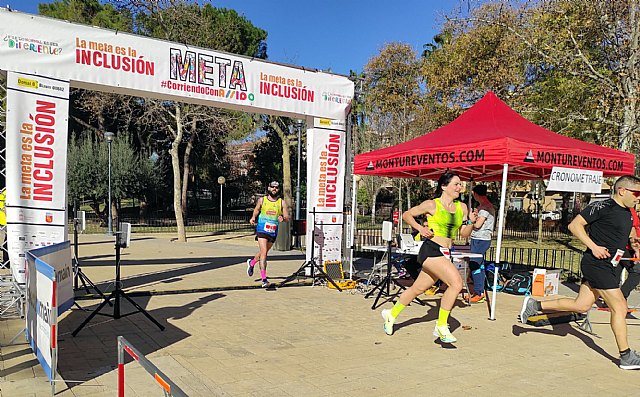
x=166 y=223
x=12 y=298
x=169 y=388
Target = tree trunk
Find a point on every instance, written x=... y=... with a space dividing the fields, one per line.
x=630 y=81
x=95 y=206
x=286 y=162
x=114 y=214
x=542 y=194
x=142 y=214
x=373 y=202
x=507 y=203
x=286 y=174
x=175 y=165
x=186 y=169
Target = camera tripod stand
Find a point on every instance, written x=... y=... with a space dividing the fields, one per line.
x=78 y=274
x=384 y=286
x=116 y=294
x=312 y=262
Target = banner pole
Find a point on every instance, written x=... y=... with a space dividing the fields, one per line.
x=503 y=193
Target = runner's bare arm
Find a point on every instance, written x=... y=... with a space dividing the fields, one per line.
x=285 y=211
x=409 y=216
x=466 y=229
x=634 y=242
x=256 y=211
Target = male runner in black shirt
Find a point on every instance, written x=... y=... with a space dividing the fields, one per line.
x=610 y=229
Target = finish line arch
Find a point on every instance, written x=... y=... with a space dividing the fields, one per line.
x=44 y=57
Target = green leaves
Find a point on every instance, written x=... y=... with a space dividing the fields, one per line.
x=88 y=170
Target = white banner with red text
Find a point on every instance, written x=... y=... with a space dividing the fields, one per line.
x=119 y=62
x=326 y=143
x=36 y=143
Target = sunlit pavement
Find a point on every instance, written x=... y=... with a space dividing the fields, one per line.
x=231 y=337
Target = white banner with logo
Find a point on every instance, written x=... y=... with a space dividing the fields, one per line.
x=36 y=136
x=325 y=189
x=135 y=65
x=575 y=180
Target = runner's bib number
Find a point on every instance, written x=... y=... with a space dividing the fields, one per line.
x=270 y=227
x=446 y=252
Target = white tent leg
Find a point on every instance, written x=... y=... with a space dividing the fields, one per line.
x=354 y=218
x=469 y=206
x=503 y=193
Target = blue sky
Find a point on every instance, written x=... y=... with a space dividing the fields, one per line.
x=330 y=34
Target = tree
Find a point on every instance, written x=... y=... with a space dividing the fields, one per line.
x=267 y=155
x=282 y=127
x=87 y=176
x=570 y=65
x=187 y=22
x=88 y=12
x=391 y=104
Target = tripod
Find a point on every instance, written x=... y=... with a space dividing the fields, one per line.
x=116 y=294
x=385 y=284
x=314 y=266
x=78 y=274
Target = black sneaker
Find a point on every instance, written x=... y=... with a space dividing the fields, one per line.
x=265 y=283
x=630 y=361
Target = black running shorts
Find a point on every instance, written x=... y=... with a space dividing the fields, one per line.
x=429 y=249
x=601 y=274
x=269 y=237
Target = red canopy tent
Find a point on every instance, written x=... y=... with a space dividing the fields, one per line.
x=484 y=138
x=490 y=141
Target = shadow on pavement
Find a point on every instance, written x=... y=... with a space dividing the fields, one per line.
x=93 y=352
x=564 y=330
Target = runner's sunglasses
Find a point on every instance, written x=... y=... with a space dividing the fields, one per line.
x=636 y=193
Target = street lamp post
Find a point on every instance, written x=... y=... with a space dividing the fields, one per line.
x=221 y=181
x=109 y=137
x=299 y=125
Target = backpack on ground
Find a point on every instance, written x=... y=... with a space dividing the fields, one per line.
x=519 y=284
x=490 y=269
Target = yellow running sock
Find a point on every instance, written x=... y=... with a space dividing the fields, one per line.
x=396 y=309
x=443 y=317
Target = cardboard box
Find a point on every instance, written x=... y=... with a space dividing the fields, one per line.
x=545 y=282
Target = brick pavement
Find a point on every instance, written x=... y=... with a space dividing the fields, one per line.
x=234 y=339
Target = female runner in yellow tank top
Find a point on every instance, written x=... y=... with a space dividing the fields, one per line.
x=446 y=215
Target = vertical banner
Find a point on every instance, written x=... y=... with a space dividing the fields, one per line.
x=325 y=189
x=37 y=118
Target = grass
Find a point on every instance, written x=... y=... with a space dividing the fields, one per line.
x=558 y=243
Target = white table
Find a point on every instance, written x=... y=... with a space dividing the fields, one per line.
x=460 y=259
x=455 y=255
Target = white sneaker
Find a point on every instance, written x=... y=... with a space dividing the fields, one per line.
x=444 y=334
x=388 y=325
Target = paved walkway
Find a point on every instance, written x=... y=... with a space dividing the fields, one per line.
x=230 y=338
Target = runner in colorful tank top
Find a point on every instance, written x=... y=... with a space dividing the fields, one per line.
x=446 y=216
x=270 y=211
